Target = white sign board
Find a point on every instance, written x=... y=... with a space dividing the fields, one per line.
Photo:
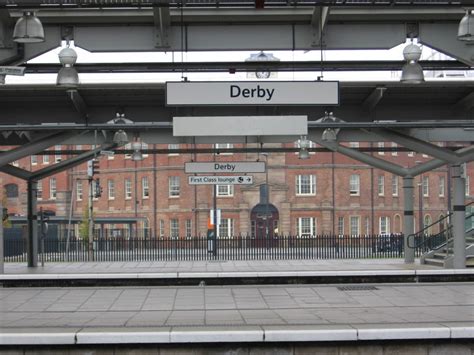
x=252 y=93
x=220 y=180
x=188 y=126
x=225 y=167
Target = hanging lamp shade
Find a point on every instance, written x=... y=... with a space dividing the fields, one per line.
x=412 y=73
x=28 y=29
x=466 y=27
x=67 y=77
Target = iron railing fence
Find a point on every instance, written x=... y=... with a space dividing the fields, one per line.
x=201 y=248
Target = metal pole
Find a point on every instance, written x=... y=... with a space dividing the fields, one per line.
x=32 y=224
x=91 y=222
x=214 y=242
x=267 y=201
x=408 y=218
x=459 y=215
x=420 y=205
x=2 y=255
x=68 y=237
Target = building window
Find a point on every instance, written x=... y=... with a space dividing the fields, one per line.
x=189 y=229
x=468 y=191
x=174 y=186
x=305 y=185
x=16 y=163
x=411 y=154
x=367 y=226
x=384 y=225
x=306 y=226
x=355 y=225
x=173 y=147
x=57 y=156
x=311 y=145
x=394 y=185
x=340 y=226
x=34 y=160
x=128 y=146
x=441 y=186
x=79 y=191
x=45 y=159
x=382 y=146
x=111 y=189
x=145 y=187
x=52 y=189
x=394 y=147
x=144 y=148
x=39 y=190
x=354 y=145
x=226 y=228
x=427 y=224
x=162 y=228
x=354 y=185
x=128 y=189
x=218 y=146
x=11 y=190
x=225 y=190
x=426 y=186
x=174 y=228
x=381 y=185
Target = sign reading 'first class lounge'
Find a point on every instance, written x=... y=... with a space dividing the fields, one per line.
x=252 y=93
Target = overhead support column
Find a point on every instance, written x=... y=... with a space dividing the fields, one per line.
x=459 y=215
x=32 y=224
x=162 y=19
x=318 y=23
x=408 y=218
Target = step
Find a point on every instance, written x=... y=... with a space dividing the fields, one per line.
x=434 y=262
x=441 y=255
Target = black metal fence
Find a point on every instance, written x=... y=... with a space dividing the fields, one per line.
x=201 y=248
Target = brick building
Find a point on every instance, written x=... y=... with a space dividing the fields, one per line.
x=325 y=194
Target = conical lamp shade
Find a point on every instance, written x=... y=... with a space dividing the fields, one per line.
x=466 y=27
x=412 y=73
x=68 y=77
x=28 y=29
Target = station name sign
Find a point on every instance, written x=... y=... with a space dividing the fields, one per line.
x=225 y=167
x=251 y=93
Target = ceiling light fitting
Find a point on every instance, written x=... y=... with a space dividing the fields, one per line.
x=412 y=72
x=28 y=29
x=67 y=75
x=466 y=27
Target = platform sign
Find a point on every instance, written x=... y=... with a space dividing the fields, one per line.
x=225 y=167
x=220 y=180
x=252 y=93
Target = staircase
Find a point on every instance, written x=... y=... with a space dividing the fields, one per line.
x=440 y=246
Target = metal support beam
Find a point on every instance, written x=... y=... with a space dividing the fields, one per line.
x=16 y=172
x=364 y=158
x=162 y=19
x=408 y=218
x=319 y=20
x=67 y=164
x=35 y=147
x=78 y=103
x=465 y=104
x=459 y=214
x=32 y=224
x=373 y=99
x=6 y=25
x=417 y=145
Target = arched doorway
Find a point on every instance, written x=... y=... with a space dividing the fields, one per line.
x=264 y=219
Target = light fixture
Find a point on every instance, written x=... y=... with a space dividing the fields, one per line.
x=329 y=134
x=120 y=137
x=67 y=75
x=263 y=72
x=137 y=154
x=466 y=27
x=2 y=79
x=304 y=145
x=28 y=29
x=412 y=72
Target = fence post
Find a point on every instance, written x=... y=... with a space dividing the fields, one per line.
x=2 y=256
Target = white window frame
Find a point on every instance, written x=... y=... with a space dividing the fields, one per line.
x=411 y=154
x=354 y=145
x=45 y=159
x=57 y=157
x=384 y=224
x=53 y=188
x=311 y=145
x=145 y=188
x=441 y=186
x=311 y=184
x=144 y=147
x=188 y=226
x=226 y=228
x=381 y=185
x=34 y=160
x=225 y=190
x=173 y=146
x=162 y=228
x=354 y=227
x=39 y=190
x=218 y=146
x=174 y=186
x=427 y=220
x=340 y=225
x=79 y=190
x=354 y=185
x=111 y=189
x=174 y=228
x=394 y=145
x=426 y=186
x=306 y=226
x=394 y=185
x=128 y=188
x=381 y=145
